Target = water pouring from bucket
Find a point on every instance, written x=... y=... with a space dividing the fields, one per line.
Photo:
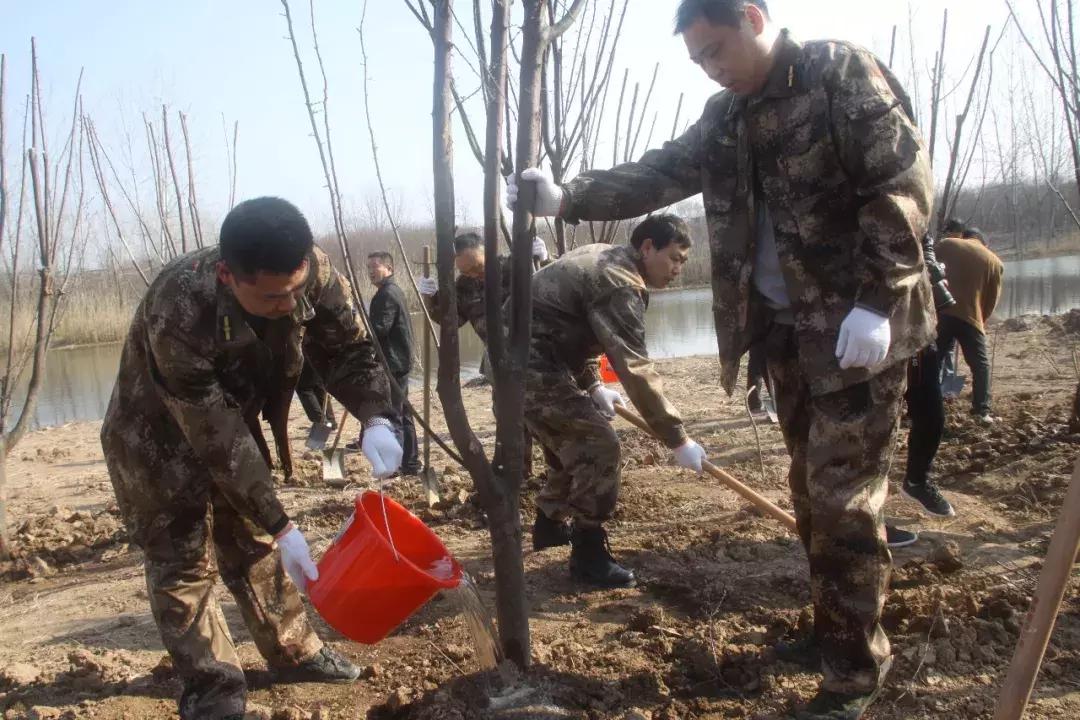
x=383 y=567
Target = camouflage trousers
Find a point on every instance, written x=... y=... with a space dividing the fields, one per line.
x=180 y=573
x=841 y=447
x=580 y=447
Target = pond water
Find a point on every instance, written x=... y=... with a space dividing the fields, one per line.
x=78 y=381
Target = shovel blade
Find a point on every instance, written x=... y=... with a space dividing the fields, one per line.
x=318 y=435
x=430 y=482
x=334 y=467
x=770 y=409
x=953 y=385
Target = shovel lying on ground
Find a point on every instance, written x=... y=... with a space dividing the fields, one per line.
x=333 y=464
x=745 y=492
x=320 y=431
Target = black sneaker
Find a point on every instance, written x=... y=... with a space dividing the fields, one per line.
x=929 y=497
x=548 y=533
x=591 y=560
x=828 y=705
x=805 y=652
x=326 y=666
x=900 y=538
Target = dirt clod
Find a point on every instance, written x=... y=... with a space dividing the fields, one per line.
x=946 y=557
x=18 y=674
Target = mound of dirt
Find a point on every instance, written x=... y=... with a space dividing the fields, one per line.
x=46 y=543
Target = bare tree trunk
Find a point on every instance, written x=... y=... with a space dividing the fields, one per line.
x=449 y=383
x=503 y=497
x=5 y=547
x=45 y=296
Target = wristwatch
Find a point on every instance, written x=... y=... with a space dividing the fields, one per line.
x=378 y=420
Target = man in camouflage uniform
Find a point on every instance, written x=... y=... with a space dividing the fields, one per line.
x=469 y=287
x=591 y=301
x=817 y=191
x=469 y=260
x=218 y=334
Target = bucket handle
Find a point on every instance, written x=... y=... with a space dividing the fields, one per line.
x=386 y=520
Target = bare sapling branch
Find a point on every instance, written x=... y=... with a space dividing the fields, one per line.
x=193 y=203
x=175 y=178
x=428 y=322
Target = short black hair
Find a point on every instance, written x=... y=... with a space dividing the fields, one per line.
x=384 y=258
x=717 y=12
x=266 y=234
x=663 y=230
x=954 y=227
x=974 y=233
x=467 y=241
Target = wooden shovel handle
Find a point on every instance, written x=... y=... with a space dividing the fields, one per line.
x=744 y=491
x=340 y=428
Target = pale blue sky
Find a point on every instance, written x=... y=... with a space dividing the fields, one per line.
x=231 y=57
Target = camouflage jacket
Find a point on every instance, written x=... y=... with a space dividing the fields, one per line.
x=590 y=301
x=831 y=143
x=196 y=370
x=470 y=300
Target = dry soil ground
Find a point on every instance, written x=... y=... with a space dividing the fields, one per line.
x=719 y=583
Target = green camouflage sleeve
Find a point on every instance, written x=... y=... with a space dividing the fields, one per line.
x=211 y=421
x=618 y=319
x=342 y=351
x=887 y=162
x=660 y=178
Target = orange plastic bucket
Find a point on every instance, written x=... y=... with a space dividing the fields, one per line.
x=363 y=590
x=607 y=373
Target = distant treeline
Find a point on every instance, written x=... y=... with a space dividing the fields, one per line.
x=1021 y=221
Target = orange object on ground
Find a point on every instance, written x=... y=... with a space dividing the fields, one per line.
x=364 y=591
x=607 y=373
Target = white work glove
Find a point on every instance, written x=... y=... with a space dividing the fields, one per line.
x=382 y=450
x=690 y=455
x=864 y=342
x=605 y=399
x=428 y=286
x=549 y=196
x=539 y=251
x=296 y=558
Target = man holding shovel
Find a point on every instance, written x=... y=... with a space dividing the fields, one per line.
x=588 y=302
x=217 y=335
x=817 y=192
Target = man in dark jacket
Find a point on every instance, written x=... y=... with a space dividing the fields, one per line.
x=392 y=327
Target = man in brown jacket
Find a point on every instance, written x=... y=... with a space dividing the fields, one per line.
x=817 y=193
x=975 y=274
x=218 y=334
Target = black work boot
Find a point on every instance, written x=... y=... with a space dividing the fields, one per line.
x=327 y=665
x=548 y=533
x=591 y=560
x=828 y=705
